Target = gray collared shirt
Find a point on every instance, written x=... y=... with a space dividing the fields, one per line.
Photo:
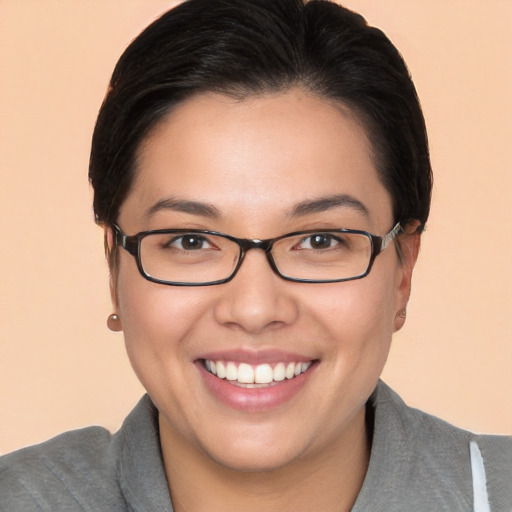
x=418 y=463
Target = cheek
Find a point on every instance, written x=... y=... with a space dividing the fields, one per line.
x=358 y=318
x=359 y=306
x=157 y=323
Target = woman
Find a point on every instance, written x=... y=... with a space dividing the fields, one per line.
x=262 y=175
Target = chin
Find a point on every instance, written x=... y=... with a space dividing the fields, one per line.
x=256 y=449
x=253 y=461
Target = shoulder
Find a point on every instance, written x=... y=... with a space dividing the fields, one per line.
x=55 y=472
x=492 y=460
x=425 y=429
x=458 y=456
x=428 y=463
x=90 y=470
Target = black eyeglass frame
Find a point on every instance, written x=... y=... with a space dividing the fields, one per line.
x=132 y=244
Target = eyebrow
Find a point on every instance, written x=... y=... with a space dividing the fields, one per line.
x=326 y=203
x=301 y=209
x=185 y=206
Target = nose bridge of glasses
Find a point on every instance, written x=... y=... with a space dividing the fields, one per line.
x=246 y=244
x=255 y=243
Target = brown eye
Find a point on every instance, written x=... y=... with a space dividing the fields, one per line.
x=318 y=241
x=189 y=242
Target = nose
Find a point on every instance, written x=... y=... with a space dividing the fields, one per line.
x=256 y=299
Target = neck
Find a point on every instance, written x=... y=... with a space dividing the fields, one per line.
x=327 y=480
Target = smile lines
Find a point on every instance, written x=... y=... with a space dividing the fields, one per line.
x=244 y=373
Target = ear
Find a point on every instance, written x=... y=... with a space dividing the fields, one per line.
x=410 y=246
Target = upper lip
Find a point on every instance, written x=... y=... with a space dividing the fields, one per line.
x=256 y=356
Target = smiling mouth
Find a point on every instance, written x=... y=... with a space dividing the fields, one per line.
x=255 y=376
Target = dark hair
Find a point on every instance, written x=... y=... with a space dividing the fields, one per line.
x=251 y=47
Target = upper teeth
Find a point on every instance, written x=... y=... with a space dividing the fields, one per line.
x=260 y=374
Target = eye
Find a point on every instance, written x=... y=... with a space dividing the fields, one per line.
x=189 y=242
x=319 y=241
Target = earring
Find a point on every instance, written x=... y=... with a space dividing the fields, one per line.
x=114 y=322
x=402 y=313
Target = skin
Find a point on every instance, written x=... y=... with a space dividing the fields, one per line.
x=254 y=160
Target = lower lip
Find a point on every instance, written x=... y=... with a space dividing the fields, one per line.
x=254 y=399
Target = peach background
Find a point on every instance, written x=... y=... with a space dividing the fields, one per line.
x=60 y=368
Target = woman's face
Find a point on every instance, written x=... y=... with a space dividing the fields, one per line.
x=259 y=168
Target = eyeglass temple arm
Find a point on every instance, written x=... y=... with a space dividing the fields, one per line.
x=387 y=239
x=129 y=243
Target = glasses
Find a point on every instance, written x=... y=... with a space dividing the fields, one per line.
x=191 y=257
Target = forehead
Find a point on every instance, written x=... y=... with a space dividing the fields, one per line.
x=259 y=155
